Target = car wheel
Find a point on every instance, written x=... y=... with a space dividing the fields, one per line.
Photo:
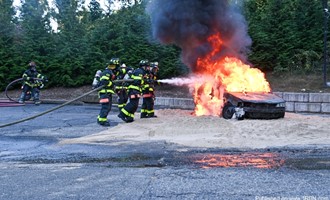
x=228 y=111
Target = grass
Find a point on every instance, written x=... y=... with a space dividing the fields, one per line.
x=297 y=82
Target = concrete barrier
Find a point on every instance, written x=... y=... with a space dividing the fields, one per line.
x=306 y=102
x=295 y=102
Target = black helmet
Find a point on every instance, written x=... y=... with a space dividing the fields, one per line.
x=32 y=64
x=113 y=63
x=144 y=63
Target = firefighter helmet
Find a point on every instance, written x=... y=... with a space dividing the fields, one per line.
x=154 y=64
x=32 y=64
x=113 y=63
x=144 y=63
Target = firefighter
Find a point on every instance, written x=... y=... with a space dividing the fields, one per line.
x=33 y=81
x=134 y=92
x=105 y=94
x=121 y=87
x=148 y=92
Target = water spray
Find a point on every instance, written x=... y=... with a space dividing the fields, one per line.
x=187 y=80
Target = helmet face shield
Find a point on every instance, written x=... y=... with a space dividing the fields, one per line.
x=113 y=63
x=112 y=66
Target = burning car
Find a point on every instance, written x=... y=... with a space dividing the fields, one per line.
x=253 y=105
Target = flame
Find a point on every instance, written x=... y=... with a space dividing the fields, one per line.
x=228 y=74
x=257 y=160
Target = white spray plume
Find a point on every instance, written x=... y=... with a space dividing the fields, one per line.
x=191 y=80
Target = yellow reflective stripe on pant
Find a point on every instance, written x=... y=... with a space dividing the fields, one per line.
x=150 y=111
x=121 y=105
x=127 y=113
x=134 y=87
x=101 y=119
x=106 y=91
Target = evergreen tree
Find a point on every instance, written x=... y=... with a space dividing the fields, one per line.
x=7 y=61
x=69 y=68
x=287 y=34
x=95 y=10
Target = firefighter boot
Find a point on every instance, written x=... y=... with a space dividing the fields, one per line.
x=105 y=123
x=122 y=116
x=152 y=115
x=36 y=99
x=129 y=119
x=143 y=115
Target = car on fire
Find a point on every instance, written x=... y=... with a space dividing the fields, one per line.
x=253 y=105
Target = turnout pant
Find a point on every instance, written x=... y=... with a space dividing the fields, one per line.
x=122 y=98
x=131 y=107
x=147 y=108
x=35 y=93
x=106 y=104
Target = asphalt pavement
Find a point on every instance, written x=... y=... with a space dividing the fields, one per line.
x=33 y=165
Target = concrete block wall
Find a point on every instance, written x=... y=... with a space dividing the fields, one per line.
x=306 y=102
x=295 y=102
x=184 y=103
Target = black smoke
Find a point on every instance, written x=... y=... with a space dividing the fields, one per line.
x=189 y=23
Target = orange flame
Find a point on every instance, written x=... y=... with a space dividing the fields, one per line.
x=228 y=74
x=257 y=160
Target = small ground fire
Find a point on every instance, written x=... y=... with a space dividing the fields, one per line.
x=255 y=160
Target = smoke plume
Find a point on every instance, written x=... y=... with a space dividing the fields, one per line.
x=189 y=23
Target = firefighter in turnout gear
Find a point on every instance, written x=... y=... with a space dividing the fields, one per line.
x=121 y=87
x=134 y=92
x=148 y=92
x=33 y=81
x=105 y=94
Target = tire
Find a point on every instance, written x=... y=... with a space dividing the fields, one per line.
x=228 y=111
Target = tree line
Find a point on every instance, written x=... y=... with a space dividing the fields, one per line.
x=287 y=36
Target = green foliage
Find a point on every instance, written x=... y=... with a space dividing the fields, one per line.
x=6 y=41
x=284 y=31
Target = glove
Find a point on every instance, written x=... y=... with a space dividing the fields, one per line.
x=104 y=82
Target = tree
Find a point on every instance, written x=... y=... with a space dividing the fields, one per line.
x=69 y=67
x=284 y=32
x=95 y=10
x=34 y=39
x=7 y=61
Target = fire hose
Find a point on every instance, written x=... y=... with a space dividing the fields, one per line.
x=57 y=107
x=11 y=83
